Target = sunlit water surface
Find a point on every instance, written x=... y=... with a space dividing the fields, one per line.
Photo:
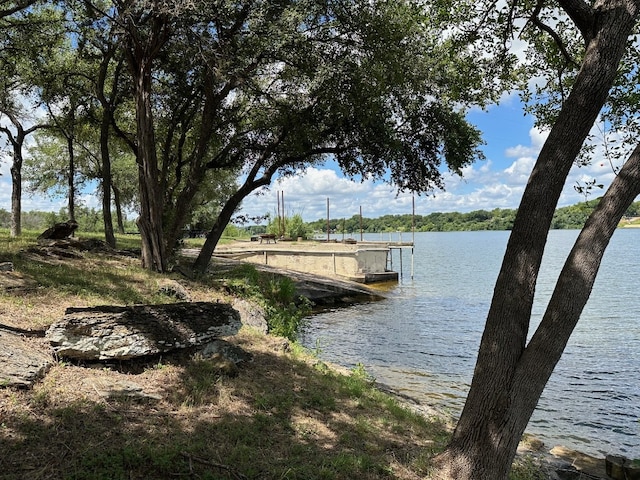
x=423 y=339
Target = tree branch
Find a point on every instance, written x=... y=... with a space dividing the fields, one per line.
x=16 y=8
x=552 y=33
x=582 y=15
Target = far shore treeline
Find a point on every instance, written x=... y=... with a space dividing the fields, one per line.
x=571 y=217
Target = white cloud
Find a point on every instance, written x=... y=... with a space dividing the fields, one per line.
x=537 y=138
x=41 y=204
x=518 y=172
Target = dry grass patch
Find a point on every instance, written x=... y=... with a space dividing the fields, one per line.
x=283 y=416
x=252 y=426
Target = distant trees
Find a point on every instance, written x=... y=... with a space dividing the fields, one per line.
x=497 y=219
x=28 y=35
x=89 y=220
x=570 y=217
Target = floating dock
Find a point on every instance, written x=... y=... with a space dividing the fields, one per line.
x=363 y=262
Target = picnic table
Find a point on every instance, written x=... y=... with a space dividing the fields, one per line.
x=268 y=237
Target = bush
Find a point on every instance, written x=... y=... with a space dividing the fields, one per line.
x=296 y=228
x=284 y=312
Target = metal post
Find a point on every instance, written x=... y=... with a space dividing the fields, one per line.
x=328 y=227
x=411 y=262
x=279 y=220
x=413 y=219
x=283 y=228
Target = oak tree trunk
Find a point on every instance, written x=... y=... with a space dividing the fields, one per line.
x=109 y=236
x=509 y=377
x=118 y=205
x=71 y=174
x=16 y=195
x=141 y=53
x=17 y=140
x=213 y=237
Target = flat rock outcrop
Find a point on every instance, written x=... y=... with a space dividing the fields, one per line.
x=21 y=363
x=120 y=332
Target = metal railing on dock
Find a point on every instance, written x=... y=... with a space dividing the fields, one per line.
x=400 y=246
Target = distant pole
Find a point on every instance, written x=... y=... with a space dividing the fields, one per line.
x=360 y=222
x=413 y=219
x=413 y=231
x=284 y=218
x=343 y=227
x=328 y=227
x=279 y=222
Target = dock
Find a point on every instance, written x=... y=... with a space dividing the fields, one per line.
x=363 y=262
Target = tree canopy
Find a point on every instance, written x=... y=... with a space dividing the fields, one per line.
x=215 y=93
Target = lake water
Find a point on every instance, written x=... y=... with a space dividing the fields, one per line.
x=423 y=339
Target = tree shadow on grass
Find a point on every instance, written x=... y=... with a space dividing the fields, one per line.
x=278 y=418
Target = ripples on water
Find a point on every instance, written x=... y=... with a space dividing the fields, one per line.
x=423 y=340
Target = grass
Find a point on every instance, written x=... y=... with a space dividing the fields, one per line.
x=284 y=416
x=287 y=415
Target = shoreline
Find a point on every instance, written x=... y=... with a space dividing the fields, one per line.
x=552 y=459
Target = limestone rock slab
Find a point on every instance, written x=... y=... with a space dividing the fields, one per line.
x=21 y=364
x=128 y=332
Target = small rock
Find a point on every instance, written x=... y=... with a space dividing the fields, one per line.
x=175 y=290
x=251 y=314
x=621 y=468
x=59 y=231
x=614 y=465
x=21 y=364
x=225 y=366
x=6 y=267
x=227 y=350
x=588 y=466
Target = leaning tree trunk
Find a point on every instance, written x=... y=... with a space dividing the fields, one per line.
x=498 y=406
x=213 y=237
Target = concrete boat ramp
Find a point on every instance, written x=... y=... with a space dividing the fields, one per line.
x=362 y=262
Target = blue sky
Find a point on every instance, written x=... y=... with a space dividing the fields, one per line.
x=512 y=145
x=511 y=148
